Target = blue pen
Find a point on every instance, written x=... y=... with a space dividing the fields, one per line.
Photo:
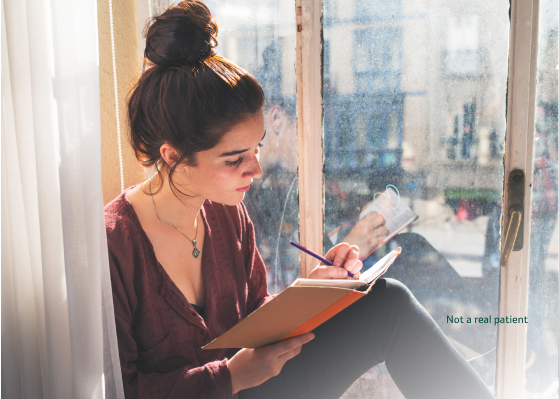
x=317 y=256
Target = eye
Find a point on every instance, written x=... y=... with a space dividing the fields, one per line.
x=260 y=145
x=234 y=163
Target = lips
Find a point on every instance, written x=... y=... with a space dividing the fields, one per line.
x=243 y=189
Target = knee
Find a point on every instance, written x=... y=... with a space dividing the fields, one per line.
x=394 y=291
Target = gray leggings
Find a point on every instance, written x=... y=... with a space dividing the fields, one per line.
x=387 y=325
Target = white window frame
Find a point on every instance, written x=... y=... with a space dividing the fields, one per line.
x=519 y=154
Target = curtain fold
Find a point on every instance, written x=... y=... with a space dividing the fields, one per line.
x=58 y=334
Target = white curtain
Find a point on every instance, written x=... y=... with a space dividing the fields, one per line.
x=58 y=334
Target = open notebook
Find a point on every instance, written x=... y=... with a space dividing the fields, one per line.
x=369 y=276
x=300 y=308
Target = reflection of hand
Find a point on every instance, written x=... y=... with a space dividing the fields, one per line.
x=367 y=233
x=251 y=367
x=345 y=258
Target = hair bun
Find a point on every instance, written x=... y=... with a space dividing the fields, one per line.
x=183 y=34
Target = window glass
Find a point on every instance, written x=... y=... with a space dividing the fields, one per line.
x=260 y=37
x=543 y=327
x=415 y=98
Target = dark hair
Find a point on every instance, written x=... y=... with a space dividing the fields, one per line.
x=187 y=96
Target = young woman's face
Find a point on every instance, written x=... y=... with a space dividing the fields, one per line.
x=224 y=173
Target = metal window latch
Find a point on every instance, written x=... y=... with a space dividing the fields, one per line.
x=514 y=238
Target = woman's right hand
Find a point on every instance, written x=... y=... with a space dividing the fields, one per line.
x=251 y=367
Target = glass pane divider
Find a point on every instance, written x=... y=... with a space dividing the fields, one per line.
x=308 y=70
x=523 y=53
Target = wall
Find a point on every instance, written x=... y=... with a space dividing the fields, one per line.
x=127 y=66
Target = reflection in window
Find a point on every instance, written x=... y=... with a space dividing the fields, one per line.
x=261 y=38
x=413 y=105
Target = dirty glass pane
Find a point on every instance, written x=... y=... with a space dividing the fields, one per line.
x=414 y=97
x=260 y=37
x=542 y=366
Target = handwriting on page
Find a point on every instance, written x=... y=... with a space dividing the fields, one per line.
x=387 y=199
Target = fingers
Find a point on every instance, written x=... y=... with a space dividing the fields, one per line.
x=377 y=219
x=338 y=253
x=328 y=272
x=291 y=344
x=372 y=228
x=381 y=232
x=296 y=350
x=352 y=263
x=373 y=220
x=288 y=355
x=344 y=256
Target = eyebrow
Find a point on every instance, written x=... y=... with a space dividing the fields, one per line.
x=230 y=153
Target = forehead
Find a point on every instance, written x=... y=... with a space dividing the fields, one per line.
x=244 y=133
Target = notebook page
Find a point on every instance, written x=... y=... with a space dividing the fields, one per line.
x=380 y=267
x=367 y=277
x=310 y=282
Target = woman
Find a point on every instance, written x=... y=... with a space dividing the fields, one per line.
x=184 y=266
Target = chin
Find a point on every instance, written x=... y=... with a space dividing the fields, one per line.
x=232 y=200
x=240 y=198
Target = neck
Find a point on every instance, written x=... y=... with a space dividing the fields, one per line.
x=174 y=207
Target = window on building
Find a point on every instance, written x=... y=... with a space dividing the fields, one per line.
x=377 y=60
x=463 y=53
x=461 y=145
x=378 y=8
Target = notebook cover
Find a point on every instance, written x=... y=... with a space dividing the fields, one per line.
x=295 y=311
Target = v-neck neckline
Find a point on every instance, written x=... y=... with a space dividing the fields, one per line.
x=168 y=280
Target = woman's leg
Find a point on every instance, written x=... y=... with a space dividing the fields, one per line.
x=386 y=325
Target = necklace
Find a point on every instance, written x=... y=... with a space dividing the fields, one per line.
x=195 y=252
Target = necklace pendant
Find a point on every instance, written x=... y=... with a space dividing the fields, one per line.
x=195 y=252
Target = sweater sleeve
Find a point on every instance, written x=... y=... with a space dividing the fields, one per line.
x=211 y=380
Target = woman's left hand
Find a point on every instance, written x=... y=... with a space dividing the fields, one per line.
x=345 y=258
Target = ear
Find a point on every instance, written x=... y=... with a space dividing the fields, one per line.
x=276 y=117
x=169 y=154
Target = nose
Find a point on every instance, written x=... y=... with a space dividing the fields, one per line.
x=254 y=170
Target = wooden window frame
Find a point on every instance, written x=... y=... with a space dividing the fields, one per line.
x=310 y=129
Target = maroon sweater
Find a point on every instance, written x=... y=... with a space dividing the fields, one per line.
x=160 y=335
